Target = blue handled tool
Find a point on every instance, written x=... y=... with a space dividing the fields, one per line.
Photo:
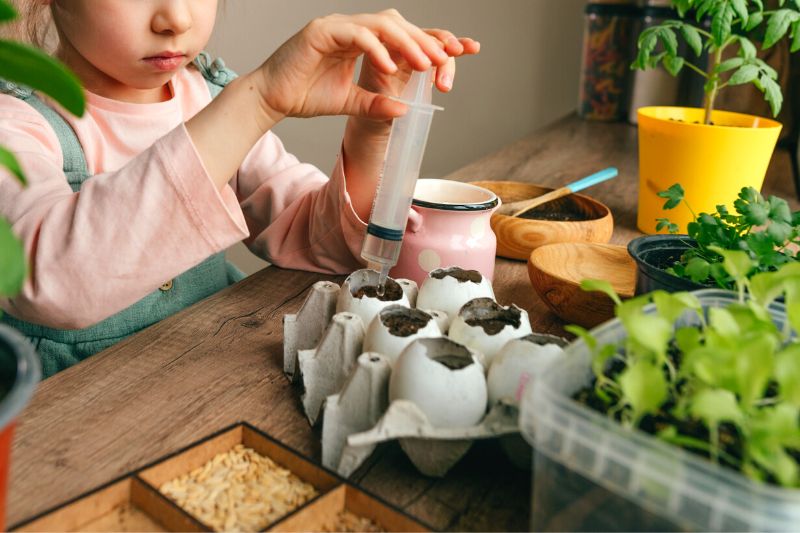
x=515 y=209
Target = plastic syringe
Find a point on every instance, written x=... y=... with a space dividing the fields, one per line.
x=407 y=140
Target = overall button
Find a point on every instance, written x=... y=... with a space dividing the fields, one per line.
x=167 y=286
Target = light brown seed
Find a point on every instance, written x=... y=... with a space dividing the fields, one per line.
x=239 y=490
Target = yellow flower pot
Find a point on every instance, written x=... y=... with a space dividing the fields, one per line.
x=711 y=162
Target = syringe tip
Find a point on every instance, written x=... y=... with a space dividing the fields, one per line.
x=383 y=274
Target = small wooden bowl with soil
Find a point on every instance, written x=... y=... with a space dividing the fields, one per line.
x=573 y=218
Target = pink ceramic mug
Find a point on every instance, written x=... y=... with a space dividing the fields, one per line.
x=448 y=226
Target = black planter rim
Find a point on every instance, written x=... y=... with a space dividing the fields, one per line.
x=658 y=275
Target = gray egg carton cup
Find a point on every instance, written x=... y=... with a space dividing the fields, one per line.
x=323 y=351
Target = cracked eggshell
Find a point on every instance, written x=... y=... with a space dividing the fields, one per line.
x=395 y=327
x=519 y=363
x=366 y=307
x=486 y=326
x=410 y=289
x=444 y=379
x=441 y=318
x=447 y=289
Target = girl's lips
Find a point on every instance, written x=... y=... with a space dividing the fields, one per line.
x=165 y=63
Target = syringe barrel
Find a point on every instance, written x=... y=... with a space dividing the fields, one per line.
x=381 y=251
x=400 y=171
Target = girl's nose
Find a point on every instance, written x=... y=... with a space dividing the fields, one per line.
x=172 y=16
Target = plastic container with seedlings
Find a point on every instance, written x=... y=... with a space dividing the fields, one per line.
x=592 y=474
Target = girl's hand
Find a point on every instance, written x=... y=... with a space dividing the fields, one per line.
x=312 y=73
x=374 y=80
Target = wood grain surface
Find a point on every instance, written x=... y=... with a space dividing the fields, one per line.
x=220 y=361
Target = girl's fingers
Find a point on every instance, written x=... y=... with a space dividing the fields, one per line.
x=455 y=46
x=387 y=36
x=354 y=35
x=429 y=43
x=363 y=103
x=445 y=75
x=397 y=38
x=452 y=46
x=471 y=46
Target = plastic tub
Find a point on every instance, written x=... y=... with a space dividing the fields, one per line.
x=20 y=370
x=592 y=474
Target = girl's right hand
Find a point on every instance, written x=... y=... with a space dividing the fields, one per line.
x=312 y=73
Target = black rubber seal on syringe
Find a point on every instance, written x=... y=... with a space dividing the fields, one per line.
x=385 y=233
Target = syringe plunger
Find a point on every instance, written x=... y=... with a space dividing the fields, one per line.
x=401 y=166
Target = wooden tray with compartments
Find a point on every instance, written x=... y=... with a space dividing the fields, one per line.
x=135 y=503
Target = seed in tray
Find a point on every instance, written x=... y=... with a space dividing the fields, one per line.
x=239 y=490
x=347 y=521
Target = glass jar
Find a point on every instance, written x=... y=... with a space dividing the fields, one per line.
x=654 y=86
x=608 y=43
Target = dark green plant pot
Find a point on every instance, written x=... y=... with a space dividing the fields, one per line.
x=654 y=254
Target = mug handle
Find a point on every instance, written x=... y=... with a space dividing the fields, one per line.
x=414 y=220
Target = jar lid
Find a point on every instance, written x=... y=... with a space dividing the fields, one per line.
x=660 y=12
x=613 y=9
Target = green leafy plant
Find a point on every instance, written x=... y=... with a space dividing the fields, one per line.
x=765 y=229
x=723 y=382
x=30 y=67
x=731 y=23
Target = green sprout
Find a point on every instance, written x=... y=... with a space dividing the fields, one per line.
x=730 y=371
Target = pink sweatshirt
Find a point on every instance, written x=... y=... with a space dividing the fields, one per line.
x=150 y=211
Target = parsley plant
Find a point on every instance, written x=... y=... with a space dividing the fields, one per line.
x=765 y=229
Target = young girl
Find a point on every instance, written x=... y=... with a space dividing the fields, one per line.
x=128 y=208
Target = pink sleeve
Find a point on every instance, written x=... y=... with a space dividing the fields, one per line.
x=297 y=217
x=94 y=253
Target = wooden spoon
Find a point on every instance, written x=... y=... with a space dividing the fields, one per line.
x=515 y=209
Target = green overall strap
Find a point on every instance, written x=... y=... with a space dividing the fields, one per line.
x=216 y=74
x=75 y=167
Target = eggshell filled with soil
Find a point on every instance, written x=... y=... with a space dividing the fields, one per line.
x=395 y=327
x=486 y=326
x=359 y=295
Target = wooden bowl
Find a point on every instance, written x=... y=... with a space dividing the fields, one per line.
x=556 y=271
x=517 y=237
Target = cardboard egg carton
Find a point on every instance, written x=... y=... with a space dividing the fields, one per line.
x=348 y=389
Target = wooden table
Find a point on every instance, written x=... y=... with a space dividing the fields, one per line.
x=220 y=361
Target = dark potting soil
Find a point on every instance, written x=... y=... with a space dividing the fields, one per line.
x=559 y=216
x=490 y=316
x=403 y=325
x=493 y=326
x=711 y=123
x=453 y=362
x=460 y=274
x=392 y=292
